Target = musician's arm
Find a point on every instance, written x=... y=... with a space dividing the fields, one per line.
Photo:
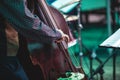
x=29 y=25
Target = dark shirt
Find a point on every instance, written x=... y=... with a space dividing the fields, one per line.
x=26 y=23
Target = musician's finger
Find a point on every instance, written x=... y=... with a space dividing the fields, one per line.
x=59 y=40
x=66 y=38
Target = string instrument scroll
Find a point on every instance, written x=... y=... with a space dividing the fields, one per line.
x=55 y=63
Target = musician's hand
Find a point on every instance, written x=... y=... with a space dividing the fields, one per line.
x=64 y=37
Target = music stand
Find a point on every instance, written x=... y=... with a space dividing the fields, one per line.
x=65 y=6
x=112 y=42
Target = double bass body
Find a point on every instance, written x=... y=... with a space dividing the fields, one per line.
x=53 y=59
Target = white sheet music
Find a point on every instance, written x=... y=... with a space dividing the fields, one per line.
x=65 y=5
x=113 y=41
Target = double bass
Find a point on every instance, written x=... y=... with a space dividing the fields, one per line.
x=53 y=59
